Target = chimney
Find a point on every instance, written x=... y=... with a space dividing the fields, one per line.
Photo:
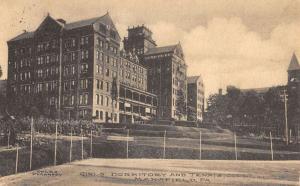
x=220 y=91
x=62 y=21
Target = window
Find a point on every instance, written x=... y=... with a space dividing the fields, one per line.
x=98 y=41
x=83 y=83
x=82 y=54
x=101 y=115
x=73 y=42
x=80 y=99
x=102 y=28
x=107 y=72
x=66 y=85
x=107 y=59
x=107 y=100
x=86 y=98
x=86 y=54
x=97 y=114
x=84 y=40
x=73 y=56
x=101 y=56
x=97 y=99
x=107 y=86
x=101 y=99
x=84 y=68
x=97 y=54
x=101 y=85
x=72 y=84
x=113 y=34
x=73 y=69
x=98 y=84
x=97 y=69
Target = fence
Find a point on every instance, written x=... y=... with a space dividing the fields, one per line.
x=84 y=140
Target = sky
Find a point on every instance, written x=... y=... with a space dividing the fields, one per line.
x=245 y=43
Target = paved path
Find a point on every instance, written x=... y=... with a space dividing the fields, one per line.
x=117 y=172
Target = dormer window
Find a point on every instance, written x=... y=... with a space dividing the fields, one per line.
x=113 y=34
x=102 y=28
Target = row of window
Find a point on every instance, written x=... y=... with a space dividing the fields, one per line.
x=71 y=56
x=105 y=45
x=69 y=85
x=69 y=100
x=44 y=46
x=39 y=87
x=47 y=72
x=99 y=70
x=128 y=64
x=104 y=100
x=105 y=58
x=100 y=115
x=129 y=76
x=159 y=56
x=23 y=51
x=41 y=60
x=23 y=76
x=100 y=85
x=48 y=86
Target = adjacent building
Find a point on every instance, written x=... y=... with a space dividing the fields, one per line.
x=76 y=71
x=195 y=98
x=166 y=72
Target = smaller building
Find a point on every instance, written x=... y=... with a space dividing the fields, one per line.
x=195 y=100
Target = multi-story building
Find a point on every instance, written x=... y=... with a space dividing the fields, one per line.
x=166 y=71
x=136 y=103
x=75 y=68
x=195 y=98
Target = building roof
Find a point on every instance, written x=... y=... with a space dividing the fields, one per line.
x=193 y=79
x=82 y=23
x=160 y=50
x=24 y=35
x=69 y=26
x=294 y=64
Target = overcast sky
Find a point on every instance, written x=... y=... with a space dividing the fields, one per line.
x=246 y=43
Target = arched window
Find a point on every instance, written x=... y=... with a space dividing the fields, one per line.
x=97 y=114
x=97 y=99
x=101 y=115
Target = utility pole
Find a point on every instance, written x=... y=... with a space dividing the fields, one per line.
x=285 y=116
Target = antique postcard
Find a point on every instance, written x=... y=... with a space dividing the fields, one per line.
x=150 y=92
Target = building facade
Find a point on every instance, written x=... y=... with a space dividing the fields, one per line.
x=75 y=71
x=196 y=98
x=166 y=72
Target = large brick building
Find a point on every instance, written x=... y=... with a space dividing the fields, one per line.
x=77 y=69
x=195 y=98
x=166 y=71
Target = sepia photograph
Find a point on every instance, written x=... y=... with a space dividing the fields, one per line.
x=150 y=92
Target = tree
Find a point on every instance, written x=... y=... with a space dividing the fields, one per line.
x=1 y=73
x=114 y=96
x=217 y=109
x=274 y=109
x=192 y=113
x=180 y=104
